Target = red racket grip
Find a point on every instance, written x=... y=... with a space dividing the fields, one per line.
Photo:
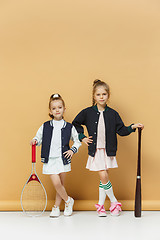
x=34 y=153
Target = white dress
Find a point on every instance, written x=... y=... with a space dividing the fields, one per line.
x=55 y=163
x=101 y=161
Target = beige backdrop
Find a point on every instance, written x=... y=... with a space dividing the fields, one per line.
x=49 y=46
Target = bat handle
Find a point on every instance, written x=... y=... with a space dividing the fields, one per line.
x=33 y=153
x=139 y=130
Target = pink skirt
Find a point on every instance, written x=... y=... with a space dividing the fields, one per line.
x=101 y=161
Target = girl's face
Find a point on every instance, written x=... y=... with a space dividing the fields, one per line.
x=57 y=109
x=101 y=96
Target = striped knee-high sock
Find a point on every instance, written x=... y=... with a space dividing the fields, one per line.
x=109 y=191
x=102 y=194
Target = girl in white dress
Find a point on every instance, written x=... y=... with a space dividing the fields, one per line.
x=56 y=154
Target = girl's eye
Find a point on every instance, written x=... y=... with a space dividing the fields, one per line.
x=53 y=108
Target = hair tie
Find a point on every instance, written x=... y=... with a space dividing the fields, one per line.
x=55 y=95
x=96 y=81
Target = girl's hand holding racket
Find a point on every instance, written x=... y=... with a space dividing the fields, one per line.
x=68 y=154
x=88 y=140
x=33 y=142
x=137 y=125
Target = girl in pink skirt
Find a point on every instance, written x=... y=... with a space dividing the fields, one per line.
x=103 y=124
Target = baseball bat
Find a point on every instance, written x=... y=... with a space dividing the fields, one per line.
x=137 y=208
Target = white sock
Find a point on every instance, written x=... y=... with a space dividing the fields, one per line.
x=102 y=196
x=109 y=191
x=56 y=206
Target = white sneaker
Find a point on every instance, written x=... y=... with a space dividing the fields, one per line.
x=55 y=212
x=69 y=207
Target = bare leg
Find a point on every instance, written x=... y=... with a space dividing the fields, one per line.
x=58 y=197
x=104 y=176
x=56 y=180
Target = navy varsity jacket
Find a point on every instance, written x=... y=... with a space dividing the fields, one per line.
x=46 y=137
x=113 y=126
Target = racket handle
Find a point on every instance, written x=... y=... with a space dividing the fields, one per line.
x=34 y=153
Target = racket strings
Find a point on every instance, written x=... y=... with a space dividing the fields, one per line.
x=33 y=197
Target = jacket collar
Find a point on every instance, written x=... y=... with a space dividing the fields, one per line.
x=96 y=109
x=64 y=125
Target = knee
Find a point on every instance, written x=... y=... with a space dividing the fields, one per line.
x=105 y=179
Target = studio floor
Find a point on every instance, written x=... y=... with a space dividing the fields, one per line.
x=81 y=225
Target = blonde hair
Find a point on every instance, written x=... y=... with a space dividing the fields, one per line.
x=99 y=83
x=54 y=97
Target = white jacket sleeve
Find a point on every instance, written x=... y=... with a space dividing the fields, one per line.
x=38 y=136
x=75 y=139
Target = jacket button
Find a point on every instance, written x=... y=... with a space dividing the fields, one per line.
x=95 y=122
x=94 y=132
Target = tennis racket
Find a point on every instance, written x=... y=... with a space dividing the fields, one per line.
x=137 y=209
x=33 y=196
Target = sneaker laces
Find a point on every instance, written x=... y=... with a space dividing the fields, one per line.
x=67 y=205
